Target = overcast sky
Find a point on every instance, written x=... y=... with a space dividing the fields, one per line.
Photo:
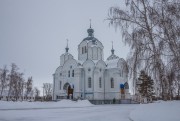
x=33 y=33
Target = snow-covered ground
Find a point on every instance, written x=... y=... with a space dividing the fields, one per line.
x=158 y=111
x=4 y=105
x=67 y=110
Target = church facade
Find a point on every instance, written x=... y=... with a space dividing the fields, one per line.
x=90 y=77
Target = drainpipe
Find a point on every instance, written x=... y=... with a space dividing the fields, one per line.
x=104 y=83
x=83 y=71
x=53 y=87
x=93 y=82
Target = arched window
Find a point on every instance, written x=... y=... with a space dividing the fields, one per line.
x=100 y=82
x=82 y=50
x=72 y=73
x=112 y=83
x=60 y=83
x=89 y=82
x=126 y=85
x=68 y=73
x=85 y=49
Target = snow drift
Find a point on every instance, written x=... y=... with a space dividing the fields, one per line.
x=4 y=105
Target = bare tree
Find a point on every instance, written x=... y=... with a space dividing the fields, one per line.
x=14 y=83
x=18 y=85
x=151 y=28
x=47 y=90
x=28 y=87
x=37 y=93
x=168 y=15
x=12 y=80
x=3 y=79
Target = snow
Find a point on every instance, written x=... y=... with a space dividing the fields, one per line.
x=112 y=63
x=4 y=105
x=83 y=110
x=159 y=111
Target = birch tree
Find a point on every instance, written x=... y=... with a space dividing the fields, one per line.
x=3 y=79
x=151 y=29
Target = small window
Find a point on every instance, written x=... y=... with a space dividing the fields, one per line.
x=60 y=83
x=100 y=82
x=60 y=74
x=85 y=49
x=72 y=73
x=68 y=73
x=82 y=50
x=89 y=82
x=112 y=83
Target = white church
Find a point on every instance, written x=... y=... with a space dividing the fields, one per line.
x=90 y=76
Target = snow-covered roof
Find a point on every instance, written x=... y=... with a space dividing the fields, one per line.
x=67 y=53
x=95 y=61
x=112 y=63
x=80 y=63
x=113 y=56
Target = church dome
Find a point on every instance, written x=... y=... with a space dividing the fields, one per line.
x=90 y=31
x=90 y=36
x=90 y=39
x=112 y=56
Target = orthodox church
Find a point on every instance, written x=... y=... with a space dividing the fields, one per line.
x=90 y=76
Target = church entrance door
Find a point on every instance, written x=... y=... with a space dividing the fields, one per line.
x=69 y=90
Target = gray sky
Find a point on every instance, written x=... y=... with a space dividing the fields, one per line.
x=33 y=33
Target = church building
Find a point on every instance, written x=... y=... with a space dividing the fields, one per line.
x=90 y=76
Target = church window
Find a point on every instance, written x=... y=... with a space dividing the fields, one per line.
x=112 y=83
x=100 y=69
x=82 y=50
x=120 y=73
x=89 y=82
x=60 y=74
x=60 y=85
x=68 y=73
x=100 y=82
x=72 y=73
x=89 y=69
x=85 y=49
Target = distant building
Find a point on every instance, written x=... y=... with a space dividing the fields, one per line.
x=90 y=77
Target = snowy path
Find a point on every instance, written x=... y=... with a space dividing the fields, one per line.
x=94 y=113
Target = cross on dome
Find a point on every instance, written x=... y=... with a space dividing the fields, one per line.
x=67 y=48
x=112 y=50
x=90 y=22
x=90 y=30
